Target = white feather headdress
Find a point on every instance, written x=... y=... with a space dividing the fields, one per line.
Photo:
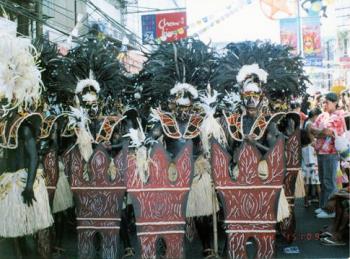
x=248 y=70
x=180 y=89
x=82 y=84
x=20 y=78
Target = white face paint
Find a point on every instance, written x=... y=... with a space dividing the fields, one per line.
x=88 y=97
x=183 y=101
x=89 y=102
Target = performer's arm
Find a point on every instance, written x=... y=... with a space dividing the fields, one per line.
x=54 y=136
x=32 y=154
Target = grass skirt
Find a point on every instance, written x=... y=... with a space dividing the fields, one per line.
x=17 y=218
x=63 y=198
x=201 y=197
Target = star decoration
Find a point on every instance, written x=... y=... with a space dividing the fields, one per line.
x=277 y=6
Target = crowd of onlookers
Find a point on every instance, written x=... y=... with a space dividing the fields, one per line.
x=325 y=128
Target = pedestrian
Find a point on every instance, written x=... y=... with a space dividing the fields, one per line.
x=309 y=160
x=329 y=123
x=344 y=101
x=296 y=107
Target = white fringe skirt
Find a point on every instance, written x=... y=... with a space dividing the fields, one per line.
x=202 y=198
x=63 y=198
x=17 y=218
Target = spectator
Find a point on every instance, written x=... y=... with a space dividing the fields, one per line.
x=296 y=107
x=329 y=123
x=318 y=100
x=344 y=102
x=335 y=234
x=305 y=104
x=309 y=160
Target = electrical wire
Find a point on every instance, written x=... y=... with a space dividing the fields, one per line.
x=69 y=17
x=16 y=8
x=23 y=11
x=59 y=6
x=119 y=25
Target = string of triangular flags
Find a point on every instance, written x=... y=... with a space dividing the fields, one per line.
x=208 y=21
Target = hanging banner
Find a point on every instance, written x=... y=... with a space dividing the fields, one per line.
x=167 y=26
x=148 y=28
x=312 y=41
x=289 y=33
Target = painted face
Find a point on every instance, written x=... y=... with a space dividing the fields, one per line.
x=183 y=95
x=89 y=102
x=278 y=105
x=251 y=94
x=251 y=99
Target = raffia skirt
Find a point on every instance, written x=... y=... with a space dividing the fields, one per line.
x=17 y=218
x=63 y=198
x=202 y=198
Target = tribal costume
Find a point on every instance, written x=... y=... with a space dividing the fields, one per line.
x=97 y=80
x=24 y=200
x=173 y=79
x=251 y=182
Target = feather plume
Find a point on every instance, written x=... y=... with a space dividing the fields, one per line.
x=210 y=126
x=188 y=61
x=82 y=84
x=249 y=70
x=286 y=76
x=184 y=87
x=138 y=140
x=137 y=137
x=154 y=115
x=208 y=99
x=20 y=78
x=79 y=120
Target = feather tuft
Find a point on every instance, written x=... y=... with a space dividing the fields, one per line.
x=181 y=88
x=249 y=70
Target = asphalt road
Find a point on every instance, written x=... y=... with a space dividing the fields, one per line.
x=306 y=241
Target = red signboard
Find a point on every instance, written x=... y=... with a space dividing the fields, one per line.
x=171 y=26
x=165 y=26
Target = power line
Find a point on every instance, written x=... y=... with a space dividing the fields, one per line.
x=59 y=6
x=157 y=10
x=23 y=11
x=69 y=17
x=118 y=25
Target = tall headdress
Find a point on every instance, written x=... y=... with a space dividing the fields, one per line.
x=50 y=62
x=179 y=69
x=20 y=77
x=93 y=64
x=278 y=72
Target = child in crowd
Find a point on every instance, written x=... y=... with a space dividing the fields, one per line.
x=309 y=161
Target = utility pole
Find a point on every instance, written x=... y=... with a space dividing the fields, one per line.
x=75 y=13
x=22 y=20
x=328 y=66
x=39 y=12
x=300 y=31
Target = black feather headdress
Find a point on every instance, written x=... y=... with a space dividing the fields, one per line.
x=187 y=61
x=53 y=69
x=286 y=77
x=95 y=59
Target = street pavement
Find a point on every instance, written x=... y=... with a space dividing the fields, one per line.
x=308 y=227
